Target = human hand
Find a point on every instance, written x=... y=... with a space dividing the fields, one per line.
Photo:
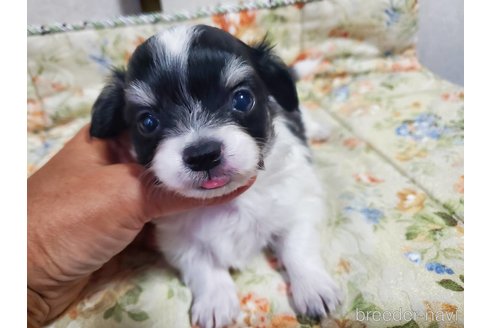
x=83 y=209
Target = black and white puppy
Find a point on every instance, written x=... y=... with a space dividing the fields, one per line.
x=206 y=113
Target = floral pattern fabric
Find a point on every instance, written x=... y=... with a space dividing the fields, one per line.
x=392 y=166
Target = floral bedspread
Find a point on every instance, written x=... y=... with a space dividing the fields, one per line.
x=392 y=167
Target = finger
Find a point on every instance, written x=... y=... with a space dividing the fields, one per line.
x=143 y=200
x=121 y=184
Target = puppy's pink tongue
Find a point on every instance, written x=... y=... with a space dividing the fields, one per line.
x=216 y=182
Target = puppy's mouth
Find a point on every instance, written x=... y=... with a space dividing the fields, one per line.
x=215 y=182
x=207 y=166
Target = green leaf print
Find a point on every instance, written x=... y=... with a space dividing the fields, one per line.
x=412 y=233
x=138 y=316
x=131 y=296
x=452 y=253
x=410 y=324
x=118 y=313
x=448 y=219
x=307 y=321
x=109 y=312
x=429 y=226
x=451 y=285
x=361 y=304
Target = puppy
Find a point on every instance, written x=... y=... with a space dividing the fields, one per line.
x=206 y=113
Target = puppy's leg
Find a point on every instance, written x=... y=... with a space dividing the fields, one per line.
x=314 y=291
x=215 y=300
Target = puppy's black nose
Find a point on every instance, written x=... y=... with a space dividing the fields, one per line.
x=203 y=156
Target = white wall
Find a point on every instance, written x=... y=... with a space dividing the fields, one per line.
x=178 y=5
x=440 y=44
x=76 y=11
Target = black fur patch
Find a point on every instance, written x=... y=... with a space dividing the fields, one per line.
x=107 y=112
x=209 y=52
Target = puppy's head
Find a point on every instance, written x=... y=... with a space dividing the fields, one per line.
x=199 y=106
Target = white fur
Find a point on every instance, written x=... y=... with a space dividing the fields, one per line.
x=139 y=93
x=240 y=158
x=236 y=71
x=282 y=208
x=174 y=44
x=176 y=39
x=172 y=48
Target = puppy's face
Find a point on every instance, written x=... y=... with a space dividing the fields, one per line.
x=199 y=107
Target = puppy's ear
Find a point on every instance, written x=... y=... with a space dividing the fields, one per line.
x=276 y=75
x=107 y=113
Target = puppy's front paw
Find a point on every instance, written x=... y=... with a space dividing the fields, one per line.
x=315 y=293
x=215 y=309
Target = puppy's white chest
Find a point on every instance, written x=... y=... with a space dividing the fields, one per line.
x=229 y=234
x=285 y=193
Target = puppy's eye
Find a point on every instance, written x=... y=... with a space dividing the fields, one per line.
x=242 y=101
x=147 y=123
